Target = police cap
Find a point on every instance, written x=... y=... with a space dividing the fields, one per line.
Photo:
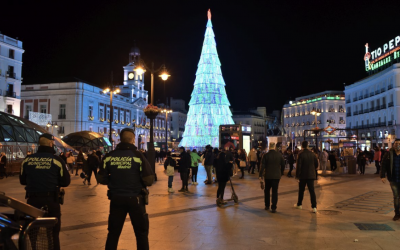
x=47 y=136
x=126 y=130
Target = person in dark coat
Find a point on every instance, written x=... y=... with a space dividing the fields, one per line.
x=332 y=160
x=62 y=156
x=272 y=163
x=184 y=165
x=208 y=163
x=290 y=159
x=93 y=164
x=215 y=165
x=224 y=165
x=170 y=162
x=99 y=154
x=361 y=159
x=3 y=165
x=79 y=161
x=307 y=163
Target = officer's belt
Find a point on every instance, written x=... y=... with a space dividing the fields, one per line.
x=40 y=194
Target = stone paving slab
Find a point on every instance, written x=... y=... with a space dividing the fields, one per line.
x=193 y=221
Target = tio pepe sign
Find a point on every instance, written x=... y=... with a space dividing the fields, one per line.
x=382 y=55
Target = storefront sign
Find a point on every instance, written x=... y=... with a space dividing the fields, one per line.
x=382 y=55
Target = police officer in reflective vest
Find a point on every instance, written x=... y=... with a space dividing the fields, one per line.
x=127 y=173
x=44 y=173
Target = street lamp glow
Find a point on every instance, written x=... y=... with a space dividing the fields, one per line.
x=116 y=91
x=48 y=125
x=139 y=69
x=164 y=76
x=56 y=126
x=106 y=90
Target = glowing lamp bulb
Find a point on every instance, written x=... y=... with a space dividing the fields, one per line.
x=164 y=76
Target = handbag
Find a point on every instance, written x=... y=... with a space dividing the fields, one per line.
x=170 y=170
x=242 y=163
x=83 y=175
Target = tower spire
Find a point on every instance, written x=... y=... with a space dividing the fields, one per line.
x=209 y=14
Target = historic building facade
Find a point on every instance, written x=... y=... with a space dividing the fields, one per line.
x=297 y=115
x=372 y=108
x=75 y=105
x=10 y=74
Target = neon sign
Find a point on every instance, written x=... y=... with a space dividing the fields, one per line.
x=382 y=55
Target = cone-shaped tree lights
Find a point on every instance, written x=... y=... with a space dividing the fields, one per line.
x=209 y=105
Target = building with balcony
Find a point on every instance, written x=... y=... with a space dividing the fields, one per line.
x=297 y=115
x=10 y=74
x=76 y=105
x=371 y=105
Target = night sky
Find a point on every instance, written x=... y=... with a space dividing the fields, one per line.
x=270 y=51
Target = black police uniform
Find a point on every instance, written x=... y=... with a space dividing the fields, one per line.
x=43 y=174
x=127 y=172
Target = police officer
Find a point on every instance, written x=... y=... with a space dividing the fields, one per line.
x=127 y=173
x=44 y=173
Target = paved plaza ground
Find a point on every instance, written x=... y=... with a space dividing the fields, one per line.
x=193 y=221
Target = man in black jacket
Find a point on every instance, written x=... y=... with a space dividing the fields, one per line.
x=127 y=173
x=93 y=163
x=307 y=163
x=391 y=169
x=208 y=163
x=44 y=173
x=185 y=162
x=3 y=164
x=272 y=162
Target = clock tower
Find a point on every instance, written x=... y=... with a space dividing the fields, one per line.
x=133 y=83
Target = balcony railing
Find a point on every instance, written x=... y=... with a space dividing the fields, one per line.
x=62 y=116
x=390 y=123
x=355 y=113
x=371 y=94
x=376 y=92
x=354 y=99
x=366 y=96
x=10 y=94
x=383 y=90
x=366 y=111
x=383 y=106
x=361 y=112
x=348 y=101
x=390 y=104
x=11 y=75
x=372 y=109
x=348 y=114
x=360 y=98
x=390 y=86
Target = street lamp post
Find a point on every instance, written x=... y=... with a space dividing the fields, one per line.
x=316 y=112
x=52 y=125
x=166 y=111
x=112 y=90
x=141 y=69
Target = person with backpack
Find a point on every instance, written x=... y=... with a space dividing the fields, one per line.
x=169 y=166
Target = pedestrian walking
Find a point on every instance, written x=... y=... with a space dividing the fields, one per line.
x=377 y=159
x=223 y=171
x=70 y=162
x=79 y=162
x=169 y=166
x=361 y=159
x=252 y=160
x=332 y=161
x=127 y=173
x=3 y=165
x=271 y=165
x=44 y=173
x=391 y=171
x=291 y=162
x=184 y=168
x=195 y=158
x=215 y=165
x=208 y=163
x=242 y=161
x=323 y=159
x=306 y=165
x=93 y=164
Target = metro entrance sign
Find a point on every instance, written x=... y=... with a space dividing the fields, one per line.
x=385 y=55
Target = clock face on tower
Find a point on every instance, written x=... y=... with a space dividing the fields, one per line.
x=131 y=75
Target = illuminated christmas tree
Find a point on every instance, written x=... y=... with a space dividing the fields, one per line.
x=209 y=105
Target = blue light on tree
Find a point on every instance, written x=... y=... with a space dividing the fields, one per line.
x=209 y=105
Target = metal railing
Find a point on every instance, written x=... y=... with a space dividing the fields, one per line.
x=10 y=94
x=62 y=116
x=390 y=86
x=390 y=104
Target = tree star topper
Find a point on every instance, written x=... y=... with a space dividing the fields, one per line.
x=209 y=14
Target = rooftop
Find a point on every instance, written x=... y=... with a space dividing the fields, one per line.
x=10 y=41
